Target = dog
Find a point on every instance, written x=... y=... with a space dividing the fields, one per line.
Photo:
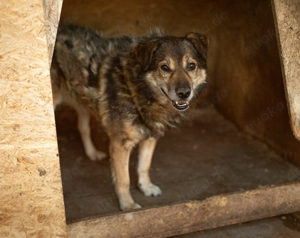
x=137 y=87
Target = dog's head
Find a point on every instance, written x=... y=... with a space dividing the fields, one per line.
x=175 y=67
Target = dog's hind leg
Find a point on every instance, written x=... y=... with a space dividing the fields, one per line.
x=85 y=133
x=57 y=98
x=119 y=155
x=146 y=149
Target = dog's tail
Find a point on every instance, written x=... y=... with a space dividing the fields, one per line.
x=156 y=32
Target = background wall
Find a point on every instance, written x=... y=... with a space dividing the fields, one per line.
x=244 y=68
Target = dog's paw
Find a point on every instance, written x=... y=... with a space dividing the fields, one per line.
x=129 y=206
x=96 y=155
x=150 y=190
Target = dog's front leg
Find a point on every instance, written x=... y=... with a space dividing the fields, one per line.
x=146 y=149
x=119 y=155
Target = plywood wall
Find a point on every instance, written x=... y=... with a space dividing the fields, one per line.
x=248 y=78
x=287 y=17
x=31 y=202
x=52 y=10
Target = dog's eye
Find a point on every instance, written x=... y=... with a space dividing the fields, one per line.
x=191 y=66
x=165 y=68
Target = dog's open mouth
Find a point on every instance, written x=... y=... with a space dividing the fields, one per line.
x=178 y=105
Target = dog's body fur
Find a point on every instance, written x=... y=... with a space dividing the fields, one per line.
x=128 y=84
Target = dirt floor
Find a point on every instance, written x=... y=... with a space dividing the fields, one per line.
x=205 y=157
x=267 y=228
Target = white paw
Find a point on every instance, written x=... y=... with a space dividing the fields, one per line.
x=129 y=206
x=150 y=190
x=96 y=155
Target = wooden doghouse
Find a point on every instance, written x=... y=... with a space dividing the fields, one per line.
x=238 y=162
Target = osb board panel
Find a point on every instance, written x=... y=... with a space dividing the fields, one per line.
x=191 y=216
x=287 y=17
x=31 y=202
x=52 y=9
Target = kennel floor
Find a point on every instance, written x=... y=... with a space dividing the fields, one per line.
x=206 y=156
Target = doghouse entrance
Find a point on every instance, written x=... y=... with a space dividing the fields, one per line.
x=213 y=153
x=212 y=172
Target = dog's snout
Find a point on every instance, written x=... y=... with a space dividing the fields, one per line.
x=183 y=92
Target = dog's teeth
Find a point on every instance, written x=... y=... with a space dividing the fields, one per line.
x=176 y=102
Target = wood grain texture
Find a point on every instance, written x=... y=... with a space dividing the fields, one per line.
x=31 y=202
x=192 y=216
x=287 y=17
x=52 y=10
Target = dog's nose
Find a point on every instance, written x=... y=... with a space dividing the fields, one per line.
x=183 y=92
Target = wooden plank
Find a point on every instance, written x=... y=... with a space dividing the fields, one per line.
x=31 y=201
x=192 y=216
x=287 y=18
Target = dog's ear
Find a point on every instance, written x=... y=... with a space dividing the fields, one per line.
x=144 y=52
x=200 y=42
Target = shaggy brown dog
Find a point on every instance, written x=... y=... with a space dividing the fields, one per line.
x=137 y=87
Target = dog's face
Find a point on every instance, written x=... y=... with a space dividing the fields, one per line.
x=175 y=67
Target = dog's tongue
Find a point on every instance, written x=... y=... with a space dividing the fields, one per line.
x=181 y=103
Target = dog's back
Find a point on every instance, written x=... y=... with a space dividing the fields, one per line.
x=80 y=56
